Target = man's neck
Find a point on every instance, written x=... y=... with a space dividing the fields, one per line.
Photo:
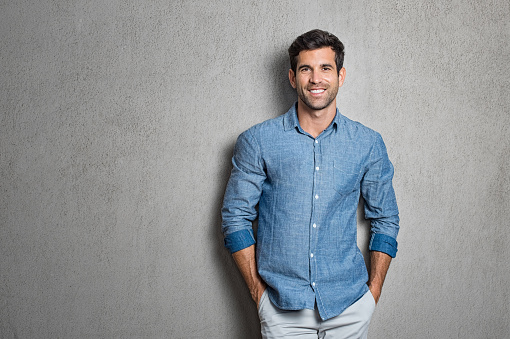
x=315 y=121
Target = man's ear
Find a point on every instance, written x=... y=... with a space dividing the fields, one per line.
x=341 y=77
x=292 y=78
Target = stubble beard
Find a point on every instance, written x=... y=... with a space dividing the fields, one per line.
x=318 y=105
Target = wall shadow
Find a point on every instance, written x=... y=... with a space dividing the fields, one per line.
x=286 y=95
x=244 y=312
x=363 y=232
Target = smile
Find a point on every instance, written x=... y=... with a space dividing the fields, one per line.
x=317 y=91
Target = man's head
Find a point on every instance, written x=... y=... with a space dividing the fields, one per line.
x=316 y=39
x=317 y=70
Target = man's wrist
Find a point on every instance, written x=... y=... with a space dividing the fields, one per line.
x=376 y=292
x=256 y=293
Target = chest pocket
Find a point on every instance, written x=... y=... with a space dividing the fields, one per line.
x=346 y=177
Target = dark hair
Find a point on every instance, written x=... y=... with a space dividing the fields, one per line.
x=316 y=39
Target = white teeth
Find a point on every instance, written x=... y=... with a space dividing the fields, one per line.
x=316 y=90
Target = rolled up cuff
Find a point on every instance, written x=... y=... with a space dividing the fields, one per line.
x=239 y=240
x=383 y=243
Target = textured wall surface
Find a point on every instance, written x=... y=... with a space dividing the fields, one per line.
x=117 y=124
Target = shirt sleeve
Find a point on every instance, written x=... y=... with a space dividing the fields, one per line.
x=242 y=194
x=380 y=201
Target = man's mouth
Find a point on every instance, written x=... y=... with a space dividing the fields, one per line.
x=317 y=91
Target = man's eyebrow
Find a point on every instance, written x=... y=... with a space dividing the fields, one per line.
x=322 y=65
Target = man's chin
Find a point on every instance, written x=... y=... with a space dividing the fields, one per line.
x=317 y=106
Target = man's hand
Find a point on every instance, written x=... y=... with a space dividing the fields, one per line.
x=376 y=293
x=379 y=264
x=258 y=295
x=245 y=260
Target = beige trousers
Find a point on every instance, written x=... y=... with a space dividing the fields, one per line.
x=307 y=324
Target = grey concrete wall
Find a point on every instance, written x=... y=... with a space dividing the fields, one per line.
x=118 y=120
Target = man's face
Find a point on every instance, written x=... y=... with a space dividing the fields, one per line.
x=316 y=79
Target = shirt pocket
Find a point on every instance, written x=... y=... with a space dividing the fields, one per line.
x=345 y=177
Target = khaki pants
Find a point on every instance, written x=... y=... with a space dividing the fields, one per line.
x=307 y=324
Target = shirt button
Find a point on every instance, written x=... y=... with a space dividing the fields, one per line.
x=314 y=225
x=316 y=141
x=316 y=196
x=313 y=284
x=311 y=255
x=317 y=168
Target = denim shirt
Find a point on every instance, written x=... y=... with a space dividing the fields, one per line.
x=305 y=192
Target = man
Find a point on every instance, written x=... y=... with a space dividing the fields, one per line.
x=306 y=170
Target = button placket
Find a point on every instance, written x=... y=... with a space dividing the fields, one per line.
x=315 y=211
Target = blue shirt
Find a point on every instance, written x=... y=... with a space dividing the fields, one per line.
x=307 y=191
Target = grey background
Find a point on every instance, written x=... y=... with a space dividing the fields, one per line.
x=118 y=120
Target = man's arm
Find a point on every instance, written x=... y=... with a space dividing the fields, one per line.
x=379 y=264
x=239 y=210
x=381 y=208
x=245 y=260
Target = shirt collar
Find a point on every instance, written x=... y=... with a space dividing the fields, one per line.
x=290 y=120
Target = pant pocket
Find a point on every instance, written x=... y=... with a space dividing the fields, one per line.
x=262 y=300
x=372 y=300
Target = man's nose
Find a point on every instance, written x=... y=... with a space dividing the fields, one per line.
x=315 y=77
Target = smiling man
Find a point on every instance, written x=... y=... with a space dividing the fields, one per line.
x=306 y=171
